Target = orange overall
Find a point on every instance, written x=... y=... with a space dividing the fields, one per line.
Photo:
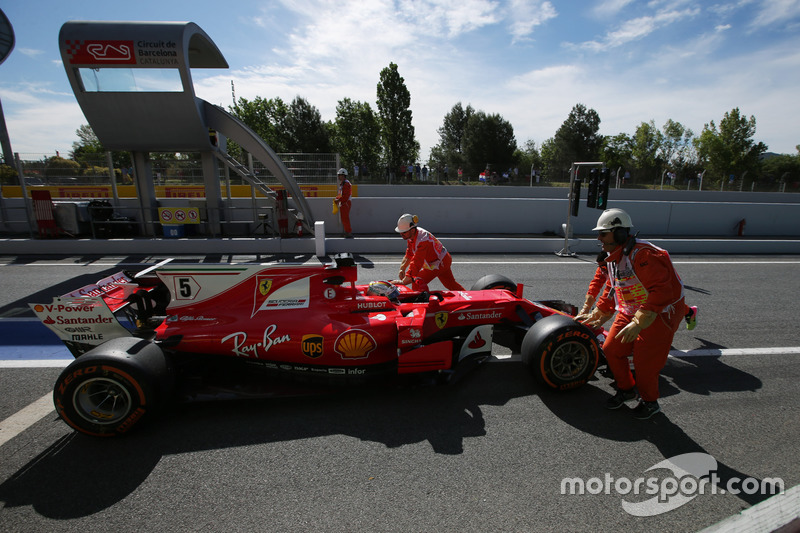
x=428 y=259
x=343 y=199
x=598 y=282
x=644 y=279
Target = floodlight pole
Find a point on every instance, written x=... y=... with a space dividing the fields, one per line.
x=573 y=173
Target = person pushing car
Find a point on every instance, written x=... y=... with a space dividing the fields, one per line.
x=647 y=294
x=425 y=259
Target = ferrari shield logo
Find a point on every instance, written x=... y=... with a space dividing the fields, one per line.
x=264 y=285
x=441 y=319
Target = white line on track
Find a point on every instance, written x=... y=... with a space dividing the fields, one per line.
x=35 y=363
x=717 y=352
x=25 y=418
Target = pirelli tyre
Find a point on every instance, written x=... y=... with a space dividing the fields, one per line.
x=494 y=281
x=560 y=353
x=113 y=387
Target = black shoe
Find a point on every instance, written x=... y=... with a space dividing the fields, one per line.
x=619 y=399
x=348 y=235
x=645 y=410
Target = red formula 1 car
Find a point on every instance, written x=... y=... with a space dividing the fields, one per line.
x=139 y=339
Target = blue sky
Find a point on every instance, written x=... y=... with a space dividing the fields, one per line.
x=530 y=61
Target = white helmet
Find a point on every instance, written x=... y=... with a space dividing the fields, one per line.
x=613 y=218
x=406 y=222
x=342 y=171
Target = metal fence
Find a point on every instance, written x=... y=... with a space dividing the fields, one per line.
x=168 y=169
x=320 y=169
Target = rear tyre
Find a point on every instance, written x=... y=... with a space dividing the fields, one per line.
x=560 y=353
x=494 y=281
x=112 y=388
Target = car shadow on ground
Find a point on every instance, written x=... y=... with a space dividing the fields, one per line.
x=94 y=474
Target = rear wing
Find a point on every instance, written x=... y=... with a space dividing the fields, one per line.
x=88 y=316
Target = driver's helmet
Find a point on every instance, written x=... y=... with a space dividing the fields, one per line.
x=384 y=288
x=613 y=218
x=342 y=171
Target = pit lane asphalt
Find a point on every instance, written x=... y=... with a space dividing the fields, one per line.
x=486 y=454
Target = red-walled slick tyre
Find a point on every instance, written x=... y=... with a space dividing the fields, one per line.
x=112 y=388
x=560 y=353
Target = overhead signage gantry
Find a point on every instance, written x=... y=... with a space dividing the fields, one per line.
x=134 y=85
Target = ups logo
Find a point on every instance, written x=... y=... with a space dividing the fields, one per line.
x=311 y=345
x=440 y=319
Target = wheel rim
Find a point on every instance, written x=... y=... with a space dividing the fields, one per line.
x=102 y=401
x=569 y=360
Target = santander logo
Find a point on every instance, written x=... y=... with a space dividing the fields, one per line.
x=477 y=342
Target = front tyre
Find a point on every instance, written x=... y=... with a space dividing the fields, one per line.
x=560 y=353
x=112 y=388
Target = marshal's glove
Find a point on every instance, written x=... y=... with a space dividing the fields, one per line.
x=641 y=320
x=583 y=314
x=597 y=318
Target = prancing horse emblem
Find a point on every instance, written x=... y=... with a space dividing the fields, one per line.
x=264 y=286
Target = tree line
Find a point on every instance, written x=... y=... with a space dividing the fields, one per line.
x=382 y=140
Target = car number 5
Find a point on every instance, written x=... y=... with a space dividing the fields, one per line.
x=184 y=288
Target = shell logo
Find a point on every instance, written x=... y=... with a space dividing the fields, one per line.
x=354 y=344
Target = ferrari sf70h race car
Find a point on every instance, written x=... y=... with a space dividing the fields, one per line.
x=141 y=338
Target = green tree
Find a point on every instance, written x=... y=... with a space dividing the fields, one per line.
x=88 y=146
x=528 y=158
x=678 y=150
x=305 y=129
x=354 y=134
x=488 y=142
x=89 y=151
x=552 y=168
x=731 y=149
x=8 y=176
x=394 y=112
x=268 y=118
x=578 y=138
x=58 y=167
x=783 y=168
x=450 y=150
x=646 y=149
x=617 y=151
